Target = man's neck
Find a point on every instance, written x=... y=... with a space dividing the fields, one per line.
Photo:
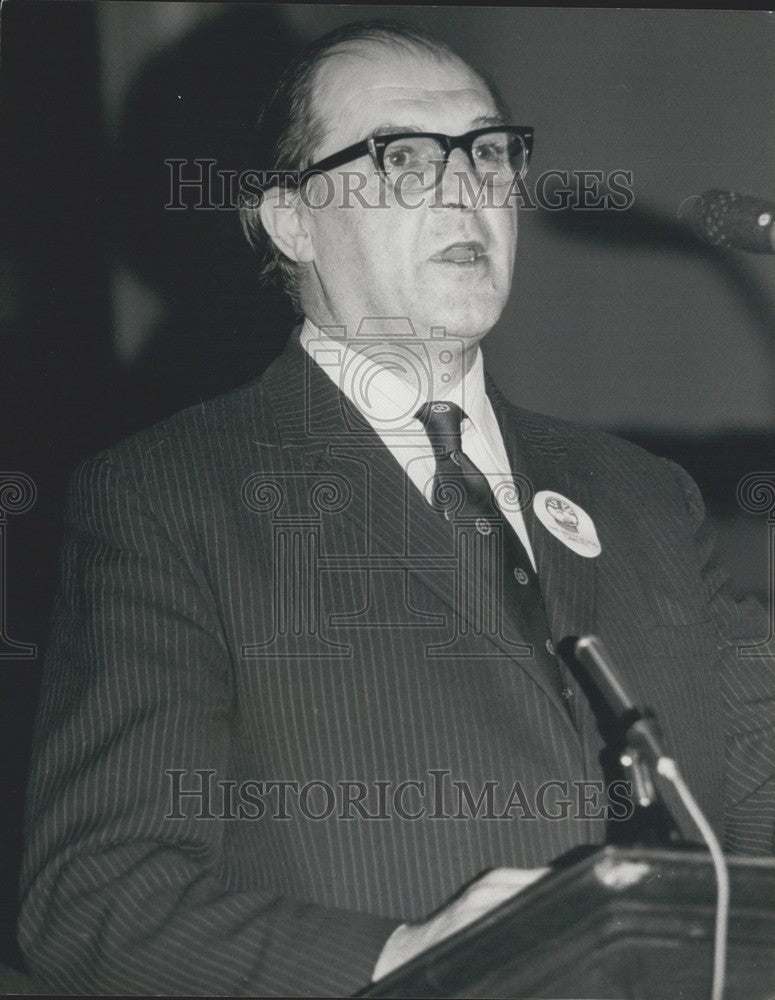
x=445 y=360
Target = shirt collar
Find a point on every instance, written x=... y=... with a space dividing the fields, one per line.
x=388 y=401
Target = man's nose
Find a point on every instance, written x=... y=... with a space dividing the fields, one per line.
x=459 y=183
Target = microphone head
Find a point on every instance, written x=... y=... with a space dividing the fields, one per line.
x=724 y=218
x=591 y=652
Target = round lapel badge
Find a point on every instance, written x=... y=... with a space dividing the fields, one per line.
x=567 y=522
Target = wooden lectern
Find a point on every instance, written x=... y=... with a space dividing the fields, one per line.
x=619 y=924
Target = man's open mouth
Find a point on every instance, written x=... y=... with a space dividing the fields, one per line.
x=460 y=253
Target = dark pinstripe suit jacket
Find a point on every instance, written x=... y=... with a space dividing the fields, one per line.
x=254 y=588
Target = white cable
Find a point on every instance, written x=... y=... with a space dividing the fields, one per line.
x=668 y=769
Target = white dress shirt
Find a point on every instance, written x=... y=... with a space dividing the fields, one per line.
x=366 y=372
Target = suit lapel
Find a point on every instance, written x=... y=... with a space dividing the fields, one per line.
x=568 y=581
x=539 y=453
x=330 y=436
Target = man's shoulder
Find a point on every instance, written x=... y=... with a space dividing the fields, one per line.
x=211 y=430
x=203 y=429
x=584 y=444
x=199 y=449
x=613 y=470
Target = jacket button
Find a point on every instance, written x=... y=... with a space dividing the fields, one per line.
x=521 y=576
x=549 y=647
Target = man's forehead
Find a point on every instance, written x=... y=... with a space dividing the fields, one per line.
x=409 y=96
x=360 y=90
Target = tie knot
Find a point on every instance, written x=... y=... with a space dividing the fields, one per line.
x=441 y=421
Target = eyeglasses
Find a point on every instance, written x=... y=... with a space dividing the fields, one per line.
x=416 y=160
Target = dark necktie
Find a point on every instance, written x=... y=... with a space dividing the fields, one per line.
x=463 y=493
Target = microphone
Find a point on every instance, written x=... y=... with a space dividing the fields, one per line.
x=641 y=731
x=724 y=218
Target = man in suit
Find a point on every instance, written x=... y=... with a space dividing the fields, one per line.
x=303 y=682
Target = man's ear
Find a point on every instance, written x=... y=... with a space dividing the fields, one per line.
x=282 y=217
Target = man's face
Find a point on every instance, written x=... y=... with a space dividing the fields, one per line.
x=390 y=261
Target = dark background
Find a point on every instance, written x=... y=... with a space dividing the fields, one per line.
x=115 y=312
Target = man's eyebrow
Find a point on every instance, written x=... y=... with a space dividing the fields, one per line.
x=491 y=119
x=386 y=128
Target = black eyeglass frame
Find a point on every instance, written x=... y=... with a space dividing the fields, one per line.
x=376 y=145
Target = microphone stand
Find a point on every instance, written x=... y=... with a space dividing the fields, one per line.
x=646 y=764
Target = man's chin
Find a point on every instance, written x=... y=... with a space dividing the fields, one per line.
x=468 y=314
x=469 y=324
